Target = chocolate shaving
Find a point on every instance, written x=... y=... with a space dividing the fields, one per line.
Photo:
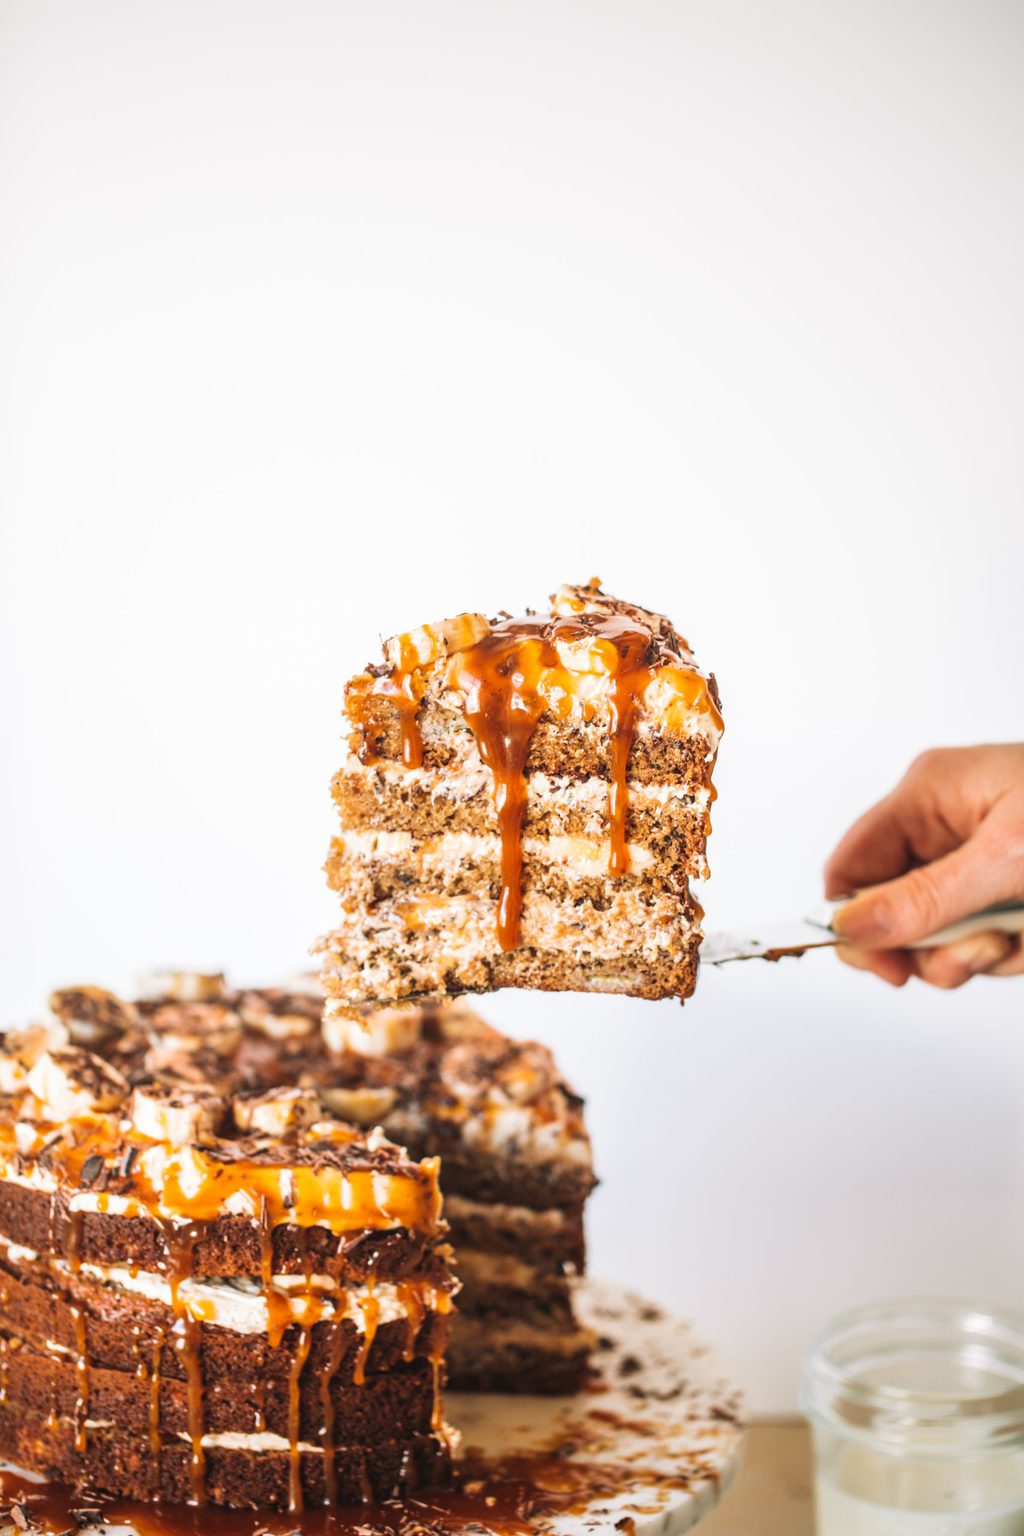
x=91 y=1170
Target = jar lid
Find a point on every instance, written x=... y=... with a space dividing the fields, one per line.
x=931 y=1377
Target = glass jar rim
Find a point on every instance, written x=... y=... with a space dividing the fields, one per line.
x=979 y=1348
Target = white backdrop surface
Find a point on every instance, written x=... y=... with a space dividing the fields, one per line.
x=321 y=320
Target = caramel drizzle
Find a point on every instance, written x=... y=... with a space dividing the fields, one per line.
x=181 y=1243
x=155 y=1380
x=81 y=1376
x=506 y=682
x=72 y=1239
x=298 y=1363
x=369 y=1306
x=335 y=1351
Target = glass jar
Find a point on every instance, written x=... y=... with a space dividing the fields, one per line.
x=917 y=1413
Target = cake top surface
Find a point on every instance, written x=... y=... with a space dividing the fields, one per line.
x=185 y=1106
x=199 y=1099
x=589 y=656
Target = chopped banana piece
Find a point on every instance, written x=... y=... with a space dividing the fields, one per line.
x=70 y=1082
x=277 y=1112
x=432 y=642
x=177 y=1115
x=183 y=986
x=91 y=1014
x=363 y=1106
x=188 y=1027
x=382 y=1033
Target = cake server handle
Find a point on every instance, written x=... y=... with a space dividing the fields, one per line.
x=1007 y=917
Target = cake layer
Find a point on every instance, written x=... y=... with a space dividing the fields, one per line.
x=395 y=1405
x=249 y=1475
x=68 y=1224
x=426 y=945
x=123 y=1329
x=388 y=796
x=514 y=1286
x=371 y=867
x=559 y=745
x=494 y=1354
x=552 y=1239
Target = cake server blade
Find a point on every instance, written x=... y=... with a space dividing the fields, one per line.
x=774 y=941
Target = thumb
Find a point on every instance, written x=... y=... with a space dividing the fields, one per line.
x=925 y=900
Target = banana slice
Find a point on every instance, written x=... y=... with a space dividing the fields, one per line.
x=176 y=1115
x=386 y=1032
x=71 y=1081
x=363 y=1106
x=432 y=642
x=90 y=1014
x=277 y=1112
x=183 y=986
x=188 y=1027
x=20 y=1049
x=277 y=1023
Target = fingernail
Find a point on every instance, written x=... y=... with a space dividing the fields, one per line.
x=863 y=922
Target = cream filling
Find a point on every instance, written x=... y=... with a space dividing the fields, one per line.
x=548 y=791
x=483 y=1333
x=496 y=1269
x=520 y=1218
x=240 y=1311
x=628 y=932
x=451 y=851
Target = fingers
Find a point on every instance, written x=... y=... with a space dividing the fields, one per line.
x=983 y=954
x=895 y=966
x=874 y=849
x=903 y=911
x=954 y=964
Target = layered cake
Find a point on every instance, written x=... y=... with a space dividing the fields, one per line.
x=516 y=1169
x=524 y=803
x=224 y=1271
x=211 y=1287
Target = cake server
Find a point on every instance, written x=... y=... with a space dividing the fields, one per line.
x=773 y=941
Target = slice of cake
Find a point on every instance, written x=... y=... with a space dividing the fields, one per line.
x=211 y=1288
x=524 y=803
x=516 y=1170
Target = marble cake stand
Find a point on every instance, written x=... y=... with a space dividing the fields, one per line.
x=660 y=1429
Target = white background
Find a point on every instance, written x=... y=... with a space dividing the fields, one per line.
x=323 y=319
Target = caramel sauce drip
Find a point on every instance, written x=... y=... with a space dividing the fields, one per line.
x=298 y=1365
x=335 y=1351
x=81 y=1376
x=412 y=1300
x=155 y=1379
x=370 y=1308
x=181 y=1243
x=508 y=680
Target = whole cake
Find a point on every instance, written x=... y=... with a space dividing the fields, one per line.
x=222 y=1275
x=523 y=803
x=211 y=1289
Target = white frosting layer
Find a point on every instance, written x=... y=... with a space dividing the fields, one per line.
x=451 y=851
x=239 y=1310
x=518 y=1217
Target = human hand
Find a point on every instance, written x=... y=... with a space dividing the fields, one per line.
x=947 y=841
